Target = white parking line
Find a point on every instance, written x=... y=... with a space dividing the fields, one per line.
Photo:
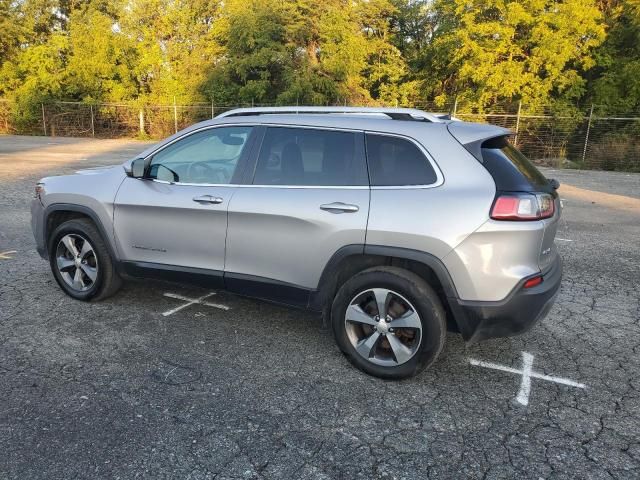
x=527 y=374
x=192 y=301
x=525 y=384
x=563 y=239
x=5 y=255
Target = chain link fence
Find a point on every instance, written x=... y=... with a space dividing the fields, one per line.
x=592 y=138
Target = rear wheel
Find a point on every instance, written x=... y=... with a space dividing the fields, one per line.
x=80 y=261
x=388 y=322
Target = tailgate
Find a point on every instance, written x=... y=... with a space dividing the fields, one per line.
x=548 y=249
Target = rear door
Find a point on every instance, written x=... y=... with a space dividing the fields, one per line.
x=308 y=197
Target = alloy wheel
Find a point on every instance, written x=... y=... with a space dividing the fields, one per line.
x=77 y=262
x=383 y=327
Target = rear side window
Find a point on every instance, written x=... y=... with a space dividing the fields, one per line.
x=395 y=161
x=510 y=169
x=311 y=157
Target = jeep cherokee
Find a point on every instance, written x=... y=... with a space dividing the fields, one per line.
x=395 y=224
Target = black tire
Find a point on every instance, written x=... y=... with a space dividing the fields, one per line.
x=421 y=297
x=107 y=281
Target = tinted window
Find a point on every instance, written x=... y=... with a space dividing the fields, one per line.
x=304 y=156
x=209 y=156
x=510 y=169
x=397 y=161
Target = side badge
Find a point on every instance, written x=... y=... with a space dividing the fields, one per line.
x=139 y=247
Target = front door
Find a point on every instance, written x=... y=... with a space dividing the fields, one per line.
x=308 y=198
x=177 y=214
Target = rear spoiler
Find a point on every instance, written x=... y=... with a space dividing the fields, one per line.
x=472 y=135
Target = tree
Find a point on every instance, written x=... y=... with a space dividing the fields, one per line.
x=480 y=52
x=308 y=52
x=175 y=43
x=616 y=75
x=254 y=59
x=100 y=58
x=12 y=30
x=488 y=51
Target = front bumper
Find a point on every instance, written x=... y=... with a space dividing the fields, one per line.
x=520 y=311
x=37 y=226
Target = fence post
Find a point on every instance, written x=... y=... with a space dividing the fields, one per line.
x=175 y=115
x=455 y=107
x=586 y=138
x=515 y=139
x=141 y=120
x=213 y=111
x=93 y=129
x=44 y=120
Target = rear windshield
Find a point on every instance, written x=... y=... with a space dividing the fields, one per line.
x=510 y=169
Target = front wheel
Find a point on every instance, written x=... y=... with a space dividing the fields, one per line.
x=388 y=322
x=80 y=261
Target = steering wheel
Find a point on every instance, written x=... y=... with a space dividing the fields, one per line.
x=207 y=173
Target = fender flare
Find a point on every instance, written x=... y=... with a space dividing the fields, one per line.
x=72 y=207
x=328 y=278
x=425 y=258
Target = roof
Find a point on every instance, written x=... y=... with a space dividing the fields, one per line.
x=400 y=121
x=406 y=114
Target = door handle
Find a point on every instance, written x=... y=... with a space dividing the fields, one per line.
x=339 y=207
x=207 y=199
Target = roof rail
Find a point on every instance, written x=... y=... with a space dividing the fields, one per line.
x=410 y=114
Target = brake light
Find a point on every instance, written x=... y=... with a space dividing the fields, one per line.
x=532 y=282
x=523 y=206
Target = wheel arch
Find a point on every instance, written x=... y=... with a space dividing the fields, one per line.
x=352 y=259
x=58 y=213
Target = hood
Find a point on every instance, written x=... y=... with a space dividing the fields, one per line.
x=97 y=170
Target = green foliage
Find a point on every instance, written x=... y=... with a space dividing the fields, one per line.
x=99 y=59
x=306 y=52
x=397 y=52
x=35 y=76
x=617 y=72
x=495 y=50
x=173 y=45
x=254 y=60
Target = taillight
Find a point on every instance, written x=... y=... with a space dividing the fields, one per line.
x=523 y=206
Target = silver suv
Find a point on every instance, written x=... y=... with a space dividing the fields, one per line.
x=395 y=224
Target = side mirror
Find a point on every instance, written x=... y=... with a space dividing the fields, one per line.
x=137 y=168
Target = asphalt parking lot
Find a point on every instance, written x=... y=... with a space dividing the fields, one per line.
x=135 y=387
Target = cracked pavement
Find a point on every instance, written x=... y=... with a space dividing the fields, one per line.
x=116 y=390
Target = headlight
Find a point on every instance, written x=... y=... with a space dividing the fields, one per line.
x=39 y=190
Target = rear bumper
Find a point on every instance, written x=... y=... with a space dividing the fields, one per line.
x=520 y=311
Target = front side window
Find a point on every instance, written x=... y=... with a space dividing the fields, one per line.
x=209 y=156
x=311 y=157
x=395 y=161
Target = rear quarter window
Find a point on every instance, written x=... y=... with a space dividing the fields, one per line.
x=395 y=161
x=510 y=169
